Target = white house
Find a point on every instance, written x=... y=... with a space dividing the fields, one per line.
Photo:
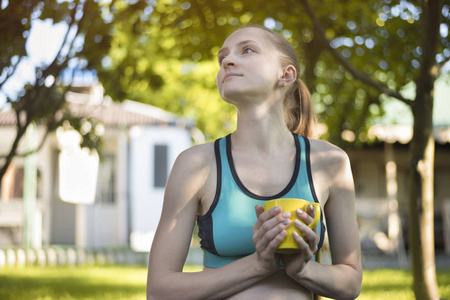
x=140 y=144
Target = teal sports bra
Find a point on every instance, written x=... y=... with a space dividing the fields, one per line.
x=226 y=230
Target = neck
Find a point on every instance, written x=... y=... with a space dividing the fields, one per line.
x=261 y=128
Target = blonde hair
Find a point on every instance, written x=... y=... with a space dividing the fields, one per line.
x=299 y=113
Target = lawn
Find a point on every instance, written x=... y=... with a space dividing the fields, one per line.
x=120 y=282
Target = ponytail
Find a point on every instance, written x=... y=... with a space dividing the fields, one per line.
x=299 y=111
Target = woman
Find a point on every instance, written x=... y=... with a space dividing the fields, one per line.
x=224 y=185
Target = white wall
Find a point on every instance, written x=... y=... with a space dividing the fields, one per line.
x=104 y=227
x=106 y=223
x=146 y=200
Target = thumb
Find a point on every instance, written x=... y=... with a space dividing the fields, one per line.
x=311 y=211
x=259 y=210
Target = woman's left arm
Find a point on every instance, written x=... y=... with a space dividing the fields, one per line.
x=342 y=279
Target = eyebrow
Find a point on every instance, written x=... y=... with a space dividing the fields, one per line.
x=239 y=44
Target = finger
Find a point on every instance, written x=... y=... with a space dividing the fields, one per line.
x=264 y=238
x=303 y=246
x=270 y=248
x=308 y=233
x=267 y=215
x=304 y=216
x=311 y=211
x=259 y=210
x=308 y=216
x=269 y=252
x=275 y=242
x=310 y=236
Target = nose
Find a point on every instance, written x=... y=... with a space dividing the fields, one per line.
x=228 y=61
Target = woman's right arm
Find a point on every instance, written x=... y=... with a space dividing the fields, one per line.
x=171 y=243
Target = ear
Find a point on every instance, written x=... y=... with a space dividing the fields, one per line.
x=288 y=76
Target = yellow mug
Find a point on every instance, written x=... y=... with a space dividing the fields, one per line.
x=289 y=245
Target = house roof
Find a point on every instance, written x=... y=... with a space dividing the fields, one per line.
x=396 y=124
x=110 y=113
x=127 y=113
x=7 y=118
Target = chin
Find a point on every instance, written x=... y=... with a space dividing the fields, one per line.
x=232 y=95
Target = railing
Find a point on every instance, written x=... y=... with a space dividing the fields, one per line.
x=56 y=256
x=68 y=256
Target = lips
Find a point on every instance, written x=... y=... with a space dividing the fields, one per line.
x=231 y=75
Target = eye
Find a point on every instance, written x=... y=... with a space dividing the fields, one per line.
x=247 y=50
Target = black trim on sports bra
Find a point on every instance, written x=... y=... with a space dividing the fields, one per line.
x=253 y=195
x=218 y=184
x=313 y=191
x=308 y=168
x=205 y=223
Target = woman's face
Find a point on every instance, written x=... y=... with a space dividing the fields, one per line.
x=249 y=66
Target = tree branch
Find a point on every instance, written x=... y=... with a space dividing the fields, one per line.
x=47 y=71
x=11 y=71
x=12 y=152
x=341 y=60
x=55 y=67
x=31 y=151
x=442 y=64
x=6 y=22
x=29 y=106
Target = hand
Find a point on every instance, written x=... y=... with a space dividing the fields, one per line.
x=295 y=263
x=268 y=232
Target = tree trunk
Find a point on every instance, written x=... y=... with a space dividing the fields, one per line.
x=421 y=204
x=9 y=158
x=421 y=194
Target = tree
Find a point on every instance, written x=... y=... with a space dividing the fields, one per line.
x=88 y=36
x=353 y=54
x=138 y=70
x=421 y=158
x=193 y=31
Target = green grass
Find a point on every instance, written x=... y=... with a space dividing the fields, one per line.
x=397 y=284
x=90 y=282
x=120 y=282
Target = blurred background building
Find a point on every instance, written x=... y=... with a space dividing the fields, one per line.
x=381 y=170
x=112 y=201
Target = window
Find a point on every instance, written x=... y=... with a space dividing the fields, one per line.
x=107 y=179
x=12 y=184
x=160 y=164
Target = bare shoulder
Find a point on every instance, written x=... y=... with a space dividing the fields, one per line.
x=188 y=178
x=326 y=153
x=330 y=166
x=198 y=154
x=195 y=159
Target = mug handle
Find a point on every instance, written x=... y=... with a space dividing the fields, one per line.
x=316 y=215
